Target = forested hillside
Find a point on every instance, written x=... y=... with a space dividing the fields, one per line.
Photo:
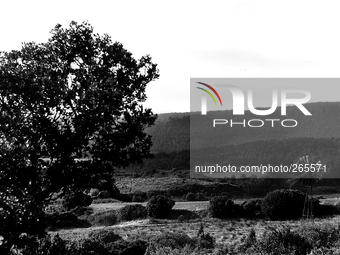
x=314 y=135
x=172 y=131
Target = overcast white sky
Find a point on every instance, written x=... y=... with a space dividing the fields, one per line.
x=196 y=38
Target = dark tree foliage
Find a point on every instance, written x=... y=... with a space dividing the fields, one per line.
x=283 y=204
x=223 y=207
x=70 y=112
x=159 y=206
x=76 y=199
x=252 y=208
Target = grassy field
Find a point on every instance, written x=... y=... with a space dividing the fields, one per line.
x=222 y=230
x=191 y=206
x=194 y=205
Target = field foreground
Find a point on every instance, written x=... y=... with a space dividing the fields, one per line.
x=224 y=231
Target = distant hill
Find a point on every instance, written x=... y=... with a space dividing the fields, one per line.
x=317 y=135
x=172 y=131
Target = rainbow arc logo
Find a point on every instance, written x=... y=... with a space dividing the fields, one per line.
x=212 y=89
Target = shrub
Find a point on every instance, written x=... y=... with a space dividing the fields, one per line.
x=76 y=199
x=101 y=242
x=187 y=250
x=283 y=204
x=223 y=207
x=217 y=206
x=27 y=244
x=204 y=240
x=107 y=218
x=46 y=245
x=52 y=246
x=252 y=208
x=318 y=239
x=115 y=244
x=112 y=242
x=320 y=236
x=190 y=196
x=117 y=247
x=249 y=242
x=132 y=212
x=171 y=240
x=283 y=241
x=87 y=247
x=159 y=206
x=104 y=236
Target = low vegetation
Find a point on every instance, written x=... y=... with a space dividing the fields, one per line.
x=225 y=227
x=305 y=239
x=283 y=204
x=159 y=206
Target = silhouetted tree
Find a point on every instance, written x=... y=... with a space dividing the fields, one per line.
x=76 y=96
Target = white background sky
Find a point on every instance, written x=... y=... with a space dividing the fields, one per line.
x=196 y=38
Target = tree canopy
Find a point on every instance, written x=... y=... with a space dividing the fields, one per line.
x=70 y=112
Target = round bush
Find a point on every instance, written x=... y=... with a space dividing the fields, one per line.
x=107 y=218
x=283 y=204
x=217 y=206
x=159 y=206
x=132 y=212
x=223 y=207
x=75 y=199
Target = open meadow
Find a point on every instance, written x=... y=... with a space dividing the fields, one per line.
x=188 y=217
x=224 y=230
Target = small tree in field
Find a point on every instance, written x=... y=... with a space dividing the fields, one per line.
x=77 y=96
